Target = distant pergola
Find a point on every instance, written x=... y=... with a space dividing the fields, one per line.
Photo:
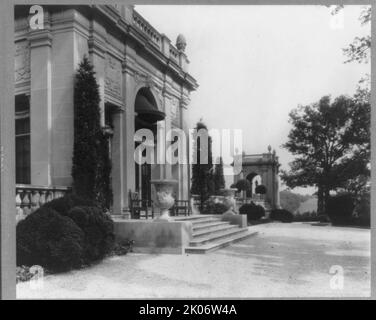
x=266 y=166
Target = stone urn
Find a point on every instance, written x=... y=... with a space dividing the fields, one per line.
x=217 y=199
x=164 y=199
x=229 y=199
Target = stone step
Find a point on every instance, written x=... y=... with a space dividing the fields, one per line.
x=210 y=224
x=199 y=223
x=224 y=242
x=201 y=220
x=199 y=241
x=213 y=230
x=196 y=217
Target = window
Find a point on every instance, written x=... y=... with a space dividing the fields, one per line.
x=22 y=105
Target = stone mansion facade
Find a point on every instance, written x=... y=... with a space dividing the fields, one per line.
x=143 y=80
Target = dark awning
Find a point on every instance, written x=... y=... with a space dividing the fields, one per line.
x=147 y=111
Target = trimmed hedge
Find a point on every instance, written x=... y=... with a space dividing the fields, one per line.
x=253 y=211
x=50 y=240
x=306 y=216
x=260 y=189
x=282 y=215
x=64 y=204
x=211 y=207
x=243 y=185
x=65 y=233
x=98 y=229
x=340 y=208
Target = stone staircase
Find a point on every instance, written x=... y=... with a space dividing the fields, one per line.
x=211 y=233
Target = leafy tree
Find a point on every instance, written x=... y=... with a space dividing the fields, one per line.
x=327 y=138
x=219 y=179
x=291 y=201
x=202 y=169
x=91 y=164
x=243 y=185
x=360 y=49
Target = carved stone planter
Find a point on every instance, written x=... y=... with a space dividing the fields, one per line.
x=229 y=200
x=164 y=199
x=217 y=199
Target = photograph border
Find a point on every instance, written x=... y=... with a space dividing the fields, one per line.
x=7 y=175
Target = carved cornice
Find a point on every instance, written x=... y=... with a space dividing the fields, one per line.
x=96 y=46
x=40 y=38
x=144 y=78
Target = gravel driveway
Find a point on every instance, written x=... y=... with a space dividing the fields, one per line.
x=283 y=260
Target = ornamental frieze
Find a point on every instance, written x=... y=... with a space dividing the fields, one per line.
x=146 y=79
x=113 y=77
x=22 y=62
x=175 y=111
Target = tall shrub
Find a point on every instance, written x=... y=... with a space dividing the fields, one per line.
x=91 y=164
x=219 y=179
x=202 y=173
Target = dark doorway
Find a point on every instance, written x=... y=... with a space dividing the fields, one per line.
x=250 y=178
x=147 y=116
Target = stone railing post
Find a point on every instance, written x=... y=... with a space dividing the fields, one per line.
x=29 y=198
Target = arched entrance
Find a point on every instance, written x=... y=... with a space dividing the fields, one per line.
x=255 y=180
x=147 y=116
x=262 y=169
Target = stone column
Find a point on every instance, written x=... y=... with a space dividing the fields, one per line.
x=40 y=106
x=128 y=119
x=266 y=181
x=160 y=152
x=272 y=185
x=277 y=199
x=68 y=49
x=166 y=124
x=117 y=174
x=185 y=168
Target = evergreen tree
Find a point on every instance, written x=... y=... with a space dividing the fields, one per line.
x=91 y=167
x=202 y=173
x=219 y=179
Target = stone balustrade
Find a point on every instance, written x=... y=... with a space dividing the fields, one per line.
x=29 y=198
x=174 y=54
x=255 y=198
x=156 y=38
x=147 y=29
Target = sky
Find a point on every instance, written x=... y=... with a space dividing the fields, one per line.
x=254 y=64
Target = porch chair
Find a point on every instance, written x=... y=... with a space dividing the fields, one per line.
x=181 y=207
x=138 y=206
